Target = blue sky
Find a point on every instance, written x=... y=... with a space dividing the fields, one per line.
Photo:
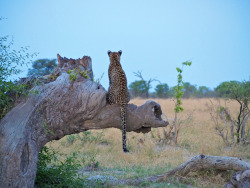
x=155 y=36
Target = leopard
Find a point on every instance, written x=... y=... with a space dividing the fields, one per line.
x=118 y=91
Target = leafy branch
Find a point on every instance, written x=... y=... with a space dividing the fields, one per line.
x=179 y=87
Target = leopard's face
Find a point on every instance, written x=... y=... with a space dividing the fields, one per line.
x=115 y=55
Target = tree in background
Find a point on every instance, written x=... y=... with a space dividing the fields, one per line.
x=141 y=87
x=172 y=91
x=189 y=90
x=240 y=92
x=137 y=88
x=42 y=67
x=204 y=91
x=223 y=90
x=162 y=91
x=224 y=121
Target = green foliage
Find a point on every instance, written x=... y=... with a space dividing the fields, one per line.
x=52 y=77
x=189 y=90
x=73 y=74
x=10 y=60
x=90 y=161
x=89 y=137
x=239 y=91
x=42 y=67
x=234 y=90
x=46 y=128
x=54 y=173
x=84 y=74
x=10 y=63
x=223 y=90
x=179 y=87
x=71 y=139
x=187 y=63
x=204 y=91
x=162 y=90
x=138 y=88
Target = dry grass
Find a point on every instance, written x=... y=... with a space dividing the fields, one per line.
x=196 y=137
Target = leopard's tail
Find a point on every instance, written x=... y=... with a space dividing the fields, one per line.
x=123 y=124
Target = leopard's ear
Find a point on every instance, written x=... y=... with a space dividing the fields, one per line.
x=120 y=52
x=109 y=52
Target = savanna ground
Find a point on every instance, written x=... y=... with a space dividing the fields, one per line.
x=100 y=151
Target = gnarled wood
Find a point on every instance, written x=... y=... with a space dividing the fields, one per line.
x=201 y=162
x=205 y=162
x=61 y=107
x=239 y=179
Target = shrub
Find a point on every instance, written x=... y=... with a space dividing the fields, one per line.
x=240 y=92
x=60 y=174
x=10 y=61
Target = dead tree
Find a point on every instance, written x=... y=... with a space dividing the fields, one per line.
x=67 y=101
x=204 y=162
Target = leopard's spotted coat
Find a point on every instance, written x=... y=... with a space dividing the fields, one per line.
x=118 y=91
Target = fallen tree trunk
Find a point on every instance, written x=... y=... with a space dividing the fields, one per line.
x=206 y=162
x=68 y=101
x=239 y=179
x=202 y=162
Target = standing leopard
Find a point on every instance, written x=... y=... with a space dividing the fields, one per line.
x=118 y=91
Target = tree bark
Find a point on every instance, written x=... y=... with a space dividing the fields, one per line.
x=239 y=179
x=62 y=106
x=205 y=162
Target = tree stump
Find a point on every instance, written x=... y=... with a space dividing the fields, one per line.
x=68 y=101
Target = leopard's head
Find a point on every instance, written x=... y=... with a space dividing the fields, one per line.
x=115 y=55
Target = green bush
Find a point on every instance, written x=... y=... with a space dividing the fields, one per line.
x=59 y=173
x=10 y=62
